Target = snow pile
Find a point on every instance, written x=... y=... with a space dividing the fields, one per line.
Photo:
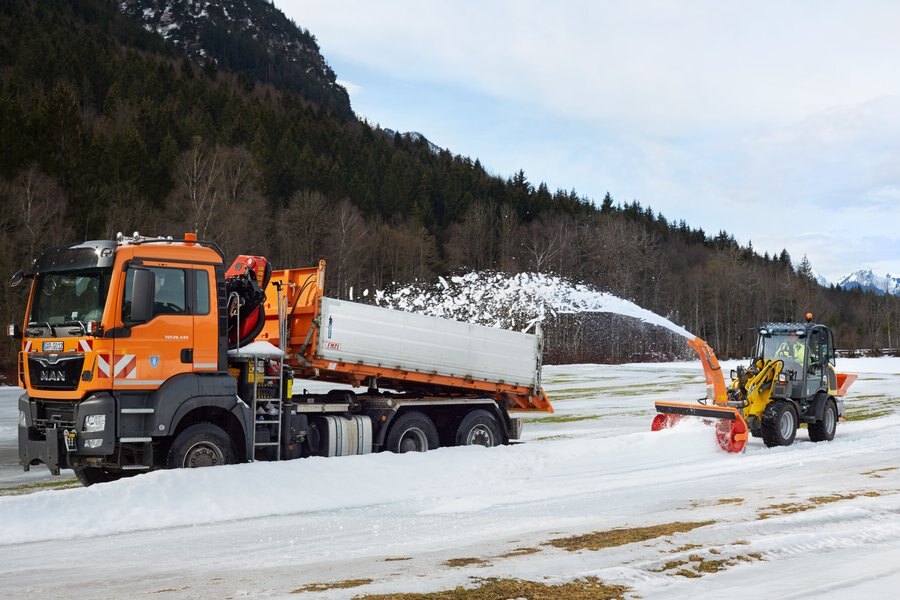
x=513 y=301
x=261 y=348
x=433 y=483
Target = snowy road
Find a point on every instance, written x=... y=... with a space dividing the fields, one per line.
x=812 y=520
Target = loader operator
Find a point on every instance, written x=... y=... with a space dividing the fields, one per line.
x=793 y=348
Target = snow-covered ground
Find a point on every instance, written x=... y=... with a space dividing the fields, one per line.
x=808 y=521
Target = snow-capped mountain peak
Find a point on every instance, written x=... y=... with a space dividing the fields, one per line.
x=867 y=280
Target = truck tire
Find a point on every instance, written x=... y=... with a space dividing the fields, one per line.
x=478 y=428
x=412 y=432
x=823 y=430
x=779 y=424
x=90 y=475
x=201 y=445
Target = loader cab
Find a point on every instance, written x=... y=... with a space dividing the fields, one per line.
x=806 y=351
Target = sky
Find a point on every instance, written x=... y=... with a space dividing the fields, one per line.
x=777 y=122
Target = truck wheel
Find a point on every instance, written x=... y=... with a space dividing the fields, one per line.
x=478 y=428
x=412 y=432
x=779 y=424
x=823 y=431
x=201 y=445
x=90 y=475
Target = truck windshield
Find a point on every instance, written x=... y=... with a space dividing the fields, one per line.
x=65 y=301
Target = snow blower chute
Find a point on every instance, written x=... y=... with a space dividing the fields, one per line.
x=792 y=381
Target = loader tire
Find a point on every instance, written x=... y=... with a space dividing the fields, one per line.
x=779 y=424
x=478 y=428
x=201 y=445
x=412 y=431
x=823 y=431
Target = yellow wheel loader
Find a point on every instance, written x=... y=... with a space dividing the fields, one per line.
x=792 y=381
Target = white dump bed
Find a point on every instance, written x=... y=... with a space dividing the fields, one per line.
x=369 y=335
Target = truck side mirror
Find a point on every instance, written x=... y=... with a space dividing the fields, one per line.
x=143 y=290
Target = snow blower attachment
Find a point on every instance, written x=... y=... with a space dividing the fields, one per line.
x=792 y=381
x=731 y=429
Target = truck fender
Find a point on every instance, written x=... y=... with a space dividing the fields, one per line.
x=187 y=392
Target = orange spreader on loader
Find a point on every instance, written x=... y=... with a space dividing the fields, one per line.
x=791 y=381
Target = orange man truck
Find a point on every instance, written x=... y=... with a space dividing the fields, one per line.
x=148 y=353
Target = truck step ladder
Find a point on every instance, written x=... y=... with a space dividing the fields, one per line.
x=266 y=403
x=269 y=419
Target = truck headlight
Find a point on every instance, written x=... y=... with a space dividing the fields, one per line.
x=93 y=443
x=94 y=423
x=22 y=421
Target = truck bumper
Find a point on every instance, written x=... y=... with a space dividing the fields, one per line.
x=59 y=445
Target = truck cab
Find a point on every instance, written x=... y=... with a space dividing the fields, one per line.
x=114 y=331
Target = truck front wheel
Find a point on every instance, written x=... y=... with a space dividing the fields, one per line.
x=412 y=432
x=478 y=428
x=201 y=445
x=91 y=475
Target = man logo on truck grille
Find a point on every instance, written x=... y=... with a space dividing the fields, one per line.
x=52 y=376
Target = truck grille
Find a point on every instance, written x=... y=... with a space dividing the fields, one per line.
x=55 y=371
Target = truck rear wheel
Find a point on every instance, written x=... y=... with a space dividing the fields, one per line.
x=779 y=424
x=478 y=428
x=201 y=445
x=823 y=431
x=412 y=432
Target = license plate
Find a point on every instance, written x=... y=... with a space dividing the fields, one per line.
x=52 y=346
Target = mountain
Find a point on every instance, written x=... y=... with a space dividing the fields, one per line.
x=416 y=138
x=868 y=281
x=247 y=37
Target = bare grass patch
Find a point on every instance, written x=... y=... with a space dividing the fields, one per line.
x=590 y=588
x=334 y=585
x=619 y=537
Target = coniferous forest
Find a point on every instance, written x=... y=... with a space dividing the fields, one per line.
x=107 y=127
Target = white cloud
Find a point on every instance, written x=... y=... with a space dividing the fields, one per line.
x=352 y=88
x=778 y=122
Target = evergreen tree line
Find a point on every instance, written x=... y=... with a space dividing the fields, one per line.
x=103 y=128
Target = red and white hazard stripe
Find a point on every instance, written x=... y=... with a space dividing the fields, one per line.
x=86 y=345
x=28 y=346
x=126 y=367
x=102 y=365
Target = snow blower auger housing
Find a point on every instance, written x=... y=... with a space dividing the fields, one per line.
x=792 y=381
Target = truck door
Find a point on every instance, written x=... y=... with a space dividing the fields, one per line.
x=161 y=348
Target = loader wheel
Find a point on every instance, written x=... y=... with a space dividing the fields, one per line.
x=478 y=428
x=823 y=431
x=201 y=445
x=90 y=475
x=412 y=432
x=779 y=424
